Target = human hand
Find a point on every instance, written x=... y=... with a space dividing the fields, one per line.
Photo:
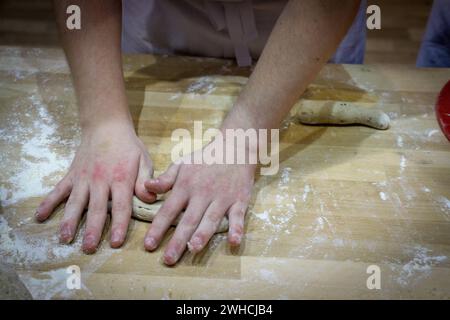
x=208 y=192
x=111 y=162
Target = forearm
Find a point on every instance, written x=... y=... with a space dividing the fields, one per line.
x=303 y=39
x=94 y=56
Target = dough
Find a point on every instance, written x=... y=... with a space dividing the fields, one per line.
x=342 y=113
x=146 y=212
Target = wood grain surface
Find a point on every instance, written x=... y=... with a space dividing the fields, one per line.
x=344 y=198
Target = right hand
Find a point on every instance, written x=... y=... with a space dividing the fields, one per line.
x=111 y=162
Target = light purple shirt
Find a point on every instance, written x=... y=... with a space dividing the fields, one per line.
x=223 y=29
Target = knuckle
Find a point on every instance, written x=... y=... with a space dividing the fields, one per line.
x=121 y=206
x=161 y=218
x=202 y=235
x=119 y=226
x=190 y=219
x=168 y=208
x=177 y=243
x=69 y=213
x=214 y=218
x=96 y=212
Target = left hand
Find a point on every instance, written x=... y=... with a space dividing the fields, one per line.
x=208 y=192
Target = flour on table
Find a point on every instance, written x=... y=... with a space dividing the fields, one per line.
x=402 y=163
x=400 y=141
x=35 y=134
x=26 y=251
x=19 y=248
x=264 y=216
x=306 y=191
x=383 y=196
x=320 y=222
x=269 y=276
x=203 y=85
x=420 y=265
x=432 y=132
x=444 y=204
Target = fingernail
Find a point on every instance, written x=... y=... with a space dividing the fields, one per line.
x=150 y=243
x=116 y=237
x=89 y=243
x=236 y=239
x=154 y=181
x=170 y=257
x=65 y=235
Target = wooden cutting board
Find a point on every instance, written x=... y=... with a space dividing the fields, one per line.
x=345 y=198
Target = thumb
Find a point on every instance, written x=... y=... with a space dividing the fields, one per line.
x=165 y=181
x=145 y=172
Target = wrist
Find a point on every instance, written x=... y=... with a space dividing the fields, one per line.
x=107 y=126
x=104 y=114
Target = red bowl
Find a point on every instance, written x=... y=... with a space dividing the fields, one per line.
x=443 y=110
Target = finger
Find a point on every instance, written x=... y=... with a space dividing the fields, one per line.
x=122 y=195
x=96 y=216
x=53 y=199
x=165 y=181
x=236 y=216
x=170 y=209
x=208 y=226
x=73 y=211
x=186 y=227
x=144 y=174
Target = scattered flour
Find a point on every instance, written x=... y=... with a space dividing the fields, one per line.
x=432 y=132
x=444 y=203
x=28 y=251
x=338 y=242
x=419 y=266
x=320 y=222
x=400 y=141
x=306 y=191
x=285 y=175
x=383 y=196
x=50 y=284
x=381 y=183
x=264 y=216
x=203 y=85
x=175 y=96
x=393 y=115
x=38 y=160
x=18 y=248
x=402 y=163
x=269 y=276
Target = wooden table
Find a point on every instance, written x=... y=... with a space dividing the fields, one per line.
x=345 y=198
